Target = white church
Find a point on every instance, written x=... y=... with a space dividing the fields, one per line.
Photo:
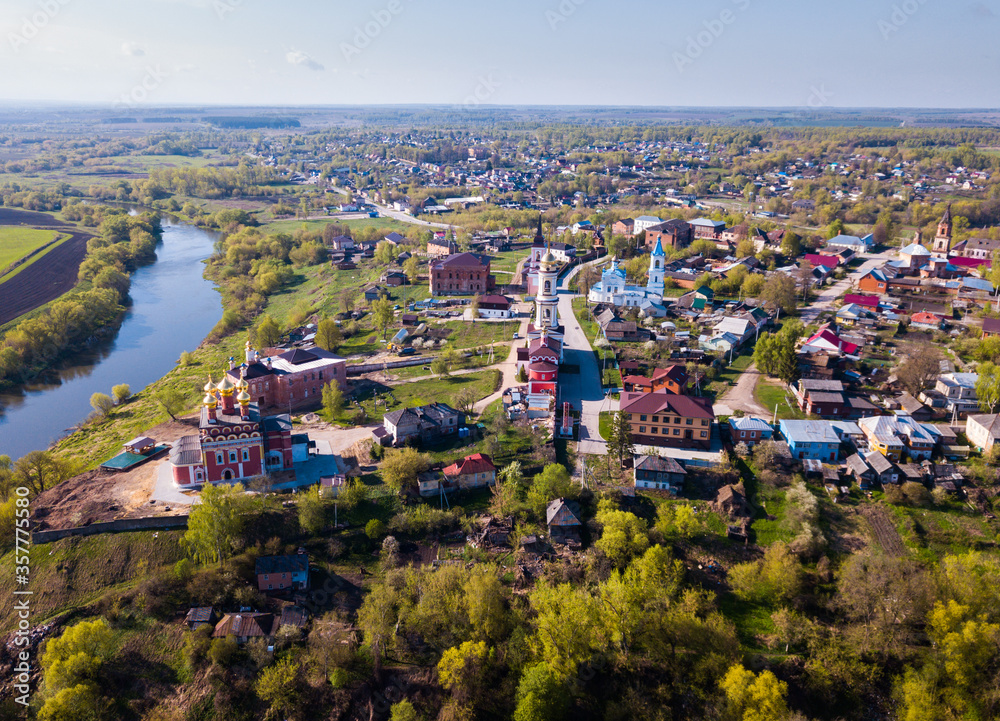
x=613 y=289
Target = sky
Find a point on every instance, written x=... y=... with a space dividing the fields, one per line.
x=764 y=53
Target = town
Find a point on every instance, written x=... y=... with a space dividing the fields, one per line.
x=618 y=420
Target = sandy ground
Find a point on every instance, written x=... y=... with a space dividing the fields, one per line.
x=97 y=496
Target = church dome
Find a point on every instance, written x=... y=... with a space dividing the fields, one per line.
x=210 y=400
x=243 y=398
x=210 y=386
x=226 y=385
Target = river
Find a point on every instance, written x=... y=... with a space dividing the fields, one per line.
x=173 y=309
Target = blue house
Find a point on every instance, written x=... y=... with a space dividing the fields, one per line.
x=811 y=439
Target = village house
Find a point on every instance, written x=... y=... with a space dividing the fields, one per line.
x=672 y=379
x=441 y=248
x=244 y=626
x=959 y=391
x=563 y=521
x=625 y=226
x=983 y=430
x=821 y=397
x=424 y=424
x=874 y=281
x=666 y=419
x=643 y=222
x=891 y=435
x=991 y=327
x=461 y=274
x=658 y=473
x=283 y=573
x=475 y=471
x=495 y=306
x=816 y=440
x=749 y=430
x=708 y=229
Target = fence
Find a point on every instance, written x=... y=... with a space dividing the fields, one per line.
x=119 y=526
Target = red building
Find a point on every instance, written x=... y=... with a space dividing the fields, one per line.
x=233 y=442
x=670 y=234
x=292 y=379
x=461 y=274
x=672 y=379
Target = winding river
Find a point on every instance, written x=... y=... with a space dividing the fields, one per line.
x=173 y=309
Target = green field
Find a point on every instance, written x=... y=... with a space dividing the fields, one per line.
x=768 y=394
x=418 y=393
x=16 y=242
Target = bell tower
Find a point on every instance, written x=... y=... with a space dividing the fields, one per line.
x=655 y=285
x=942 y=241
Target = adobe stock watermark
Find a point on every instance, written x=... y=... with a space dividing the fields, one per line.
x=485 y=89
x=154 y=77
x=900 y=15
x=224 y=7
x=701 y=41
x=32 y=24
x=819 y=96
x=22 y=597
x=365 y=34
x=562 y=12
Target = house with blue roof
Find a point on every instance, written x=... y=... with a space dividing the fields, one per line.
x=750 y=430
x=816 y=440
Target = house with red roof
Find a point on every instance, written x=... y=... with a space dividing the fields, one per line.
x=637 y=384
x=672 y=379
x=865 y=301
x=926 y=321
x=666 y=419
x=826 y=340
x=827 y=261
x=475 y=471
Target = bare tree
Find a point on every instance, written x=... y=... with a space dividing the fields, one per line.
x=920 y=367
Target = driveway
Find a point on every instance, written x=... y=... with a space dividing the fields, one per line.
x=508 y=368
x=741 y=396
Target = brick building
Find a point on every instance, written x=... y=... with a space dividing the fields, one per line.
x=665 y=419
x=461 y=274
x=290 y=380
x=672 y=233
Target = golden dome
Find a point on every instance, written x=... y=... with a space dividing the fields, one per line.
x=243 y=398
x=210 y=386
x=210 y=400
x=226 y=385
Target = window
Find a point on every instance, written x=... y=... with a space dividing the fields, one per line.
x=246 y=454
x=653 y=430
x=642 y=418
x=704 y=421
x=690 y=421
x=219 y=458
x=232 y=456
x=642 y=429
x=677 y=431
x=704 y=434
x=270 y=587
x=656 y=419
x=677 y=419
x=265 y=576
x=743 y=434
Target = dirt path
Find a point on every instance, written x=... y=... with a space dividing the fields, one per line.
x=883 y=528
x=741 y=396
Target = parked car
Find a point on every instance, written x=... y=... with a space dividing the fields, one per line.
x=517 y=336
x=408 y=351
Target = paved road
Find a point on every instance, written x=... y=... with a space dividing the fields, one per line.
x=508 y=368
x=584 y=390
x=741 y=396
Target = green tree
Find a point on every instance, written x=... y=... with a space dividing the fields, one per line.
x=400 y=467
x=312 y=511
x=439 y=367
x=541 y=695
x=382 y=314
x=102 y=403
x=333 y=400
x=474 y=306
x=553 y=482
x=403 y=710
x=215 y=526
x=754 y=698
x=266 y=333
x=778 y=576
x=624 y=536
x=620 y=438
x=328 y=335
x=565 y=624
x=753 y=284
x=791 y=244
x=121 y=393
x=279 y=686
x=461 y=669
x=779 y=293
x=71 y=668
x=988 y=387
x=39 y=470
x=171 y=400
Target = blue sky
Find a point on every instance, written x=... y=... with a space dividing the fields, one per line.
x=848 y=53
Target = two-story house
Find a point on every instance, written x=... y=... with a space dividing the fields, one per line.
x=666 y=419
x=824 y=398
x=959 y=391
x=891 y=435
x=816 y=440
x=426 y=424
x=283 y=573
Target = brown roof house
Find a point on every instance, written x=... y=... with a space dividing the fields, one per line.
x=563 y=521
x=244 y=626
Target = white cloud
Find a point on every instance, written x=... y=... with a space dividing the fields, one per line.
x=132 y=49
x=297 y=57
